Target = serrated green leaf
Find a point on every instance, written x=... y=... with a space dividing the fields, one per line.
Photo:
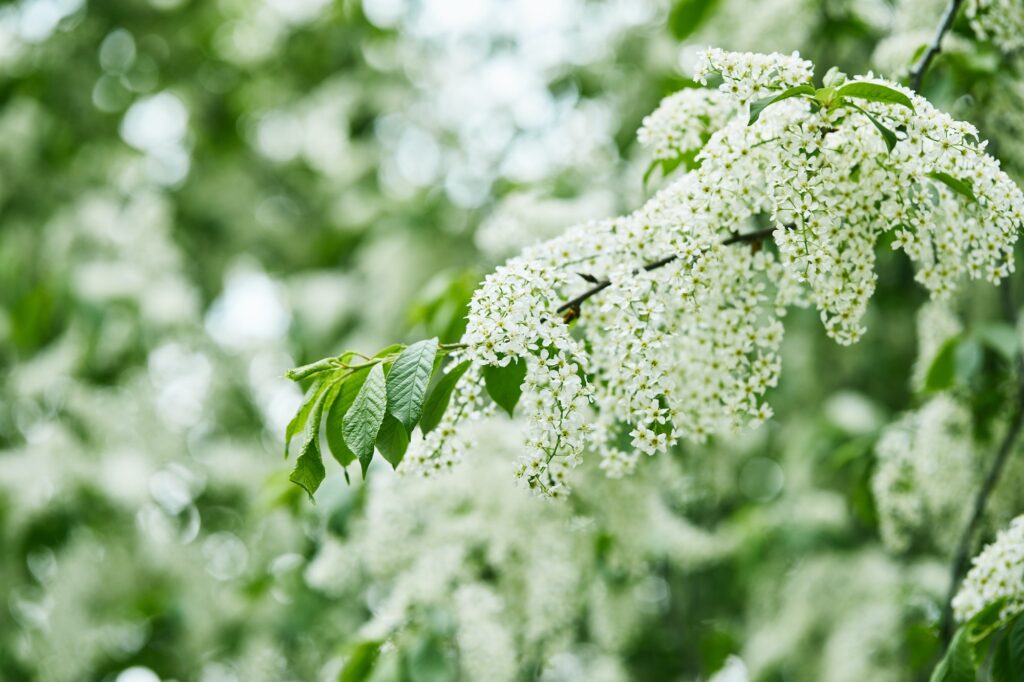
x=362 y=421
x=505 y=384
x=958 y=663
x=961 y=187
x=440 y=396
x=1000 y=337
x=347 y=391
x=298 y=422
x=392 y=440
x=874 y=92
x=686 y=16
x=887 y=135
x=309 y=467
x=760 y=105
x=408 y=381
x=942 y=372
x=361 y=662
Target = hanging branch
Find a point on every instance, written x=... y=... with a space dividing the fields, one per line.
x=570 y=310
x=933 y=49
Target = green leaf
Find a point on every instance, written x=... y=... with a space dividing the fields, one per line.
x=298 y=422
x=942 y=371
x=362 y=421
x=361 y=662
x=961 y=187
x=505 y=384
x=408 y=381
x=760 y=105
x=392 y=440
x=336 y=408
x=686 y=16
x=1014 y=643
x=887 y=135
x=1000 y=337
x=430 y=661
x=958 y=663
x=389 y=350
x=313 y=368
x=687 y=159
x=969 y=357
x=440 y=396
x=309 y=467
x=874 y=92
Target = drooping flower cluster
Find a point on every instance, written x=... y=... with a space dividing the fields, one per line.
x=1001 y=21
x=683 y=122
x=513 y=584
x=683 y=340
x=997 y=573
x=924 y=473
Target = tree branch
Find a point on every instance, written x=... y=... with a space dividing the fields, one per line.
x=570 y=310
x=965 y=546
x=933 y=49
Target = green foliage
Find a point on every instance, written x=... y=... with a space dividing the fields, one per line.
x=942 y=372
x=961 y=187
x=298 y=422
x=361 y=662
x=888 y=136
x=367 y=404
x=345 y=395
x=686 y=16
x=873 y=92
x=363 y=419
x=408 y=381
x=309 y=469
x=987 y=648
x=505 y=384
x=392 y=440
x=1000 y=337
x=958 y=663
x=440 y=396
x=760 y=105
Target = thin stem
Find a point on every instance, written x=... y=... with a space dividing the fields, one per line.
x=571 y=308
x=965 y=546
x=933 y=49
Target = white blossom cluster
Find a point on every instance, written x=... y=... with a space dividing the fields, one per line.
x=924 y=473
x=683 y=342
x=1001 y=21
x=521 y=582
x=683 y=121
x=997 y=573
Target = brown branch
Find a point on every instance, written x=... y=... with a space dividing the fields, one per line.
x=917 y=73
x=570 y=310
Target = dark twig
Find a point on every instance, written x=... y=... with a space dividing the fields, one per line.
x=965 y=548
x=570 y=310
x=933 y=49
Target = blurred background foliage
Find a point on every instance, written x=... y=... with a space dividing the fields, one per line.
x=196 y=196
